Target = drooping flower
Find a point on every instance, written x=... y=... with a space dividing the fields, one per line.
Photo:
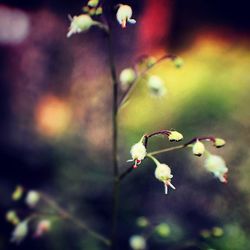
x=138 y=152
x=20 y=232
x=124 y=14
x=156 y=86
x=127 y=76
x=80 y=24
x=163 y=173
x=32 y=198
x=198 y=148
x=218 y=143
x=137 y=242
x=216 y=165
x=175 y=136
x=43 y=227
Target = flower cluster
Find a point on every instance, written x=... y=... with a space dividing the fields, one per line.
x=21 y=230
x=213 y=163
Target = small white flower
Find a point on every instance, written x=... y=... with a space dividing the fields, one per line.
x=43 y=227
x=127 y=76
x=20 y=232
x=137 y=242
x=138 y=152
x=80 y=24
x=163 y=173
x=216 y=165
x=175 y=136
x=32 y=198
x=156 y=86
x=198 y=148
x=124 y=14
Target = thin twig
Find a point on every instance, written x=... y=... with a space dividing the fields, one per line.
x=127 y=94
x=64 y=214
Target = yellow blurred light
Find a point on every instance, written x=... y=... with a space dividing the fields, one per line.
x=53 y=116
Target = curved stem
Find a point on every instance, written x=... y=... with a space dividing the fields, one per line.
x=68 y=216
x=166 y=150
x=127 y=94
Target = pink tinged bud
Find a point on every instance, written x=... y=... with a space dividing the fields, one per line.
x=42 y=228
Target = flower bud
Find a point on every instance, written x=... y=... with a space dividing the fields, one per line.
x=178 y=62
x=17 y=194
x=80 y=24
x=98 y=11
x=127 y=77
x=175 y=136
x=20 y=232
x=124 y=14
x=138 y=152
x=219 y=142
x=163 y=173
x=216 y=165
x=198 y=148
x=32 y=198
x=12 y=217
x=163 y=230
x=137 y=242
x=43 y=227
x=142 y=222
x=93 y=3
x=156 y=86
x=217 y=231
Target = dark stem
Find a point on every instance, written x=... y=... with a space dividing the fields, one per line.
x=116 y=184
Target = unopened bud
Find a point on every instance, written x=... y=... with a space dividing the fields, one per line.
x=156 y=86
x=198 y=148
x=178 y=62
x=219 y=142
x=17 y=194
x=163 y=230
x=43 y=227
x=32 y=198
x=93 y=3
x=127 y=77
x=12 y=217
x=175 y=136
x=137 y=242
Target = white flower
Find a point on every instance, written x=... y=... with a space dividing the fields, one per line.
x=32 y=198
x=42 y=227
x=124 y=14
x=80 y=24
x=127 y=76
x=138 y=152
x=163 y=173
x=216 y=165
x=198 y=148
x=156 y=86
x=137 y=242
x=20 y=232
x=175 y=136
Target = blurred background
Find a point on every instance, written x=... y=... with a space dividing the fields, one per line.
x=56 y=121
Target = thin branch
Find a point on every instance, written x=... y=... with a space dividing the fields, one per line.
x=64 y=214
x=127 y=94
